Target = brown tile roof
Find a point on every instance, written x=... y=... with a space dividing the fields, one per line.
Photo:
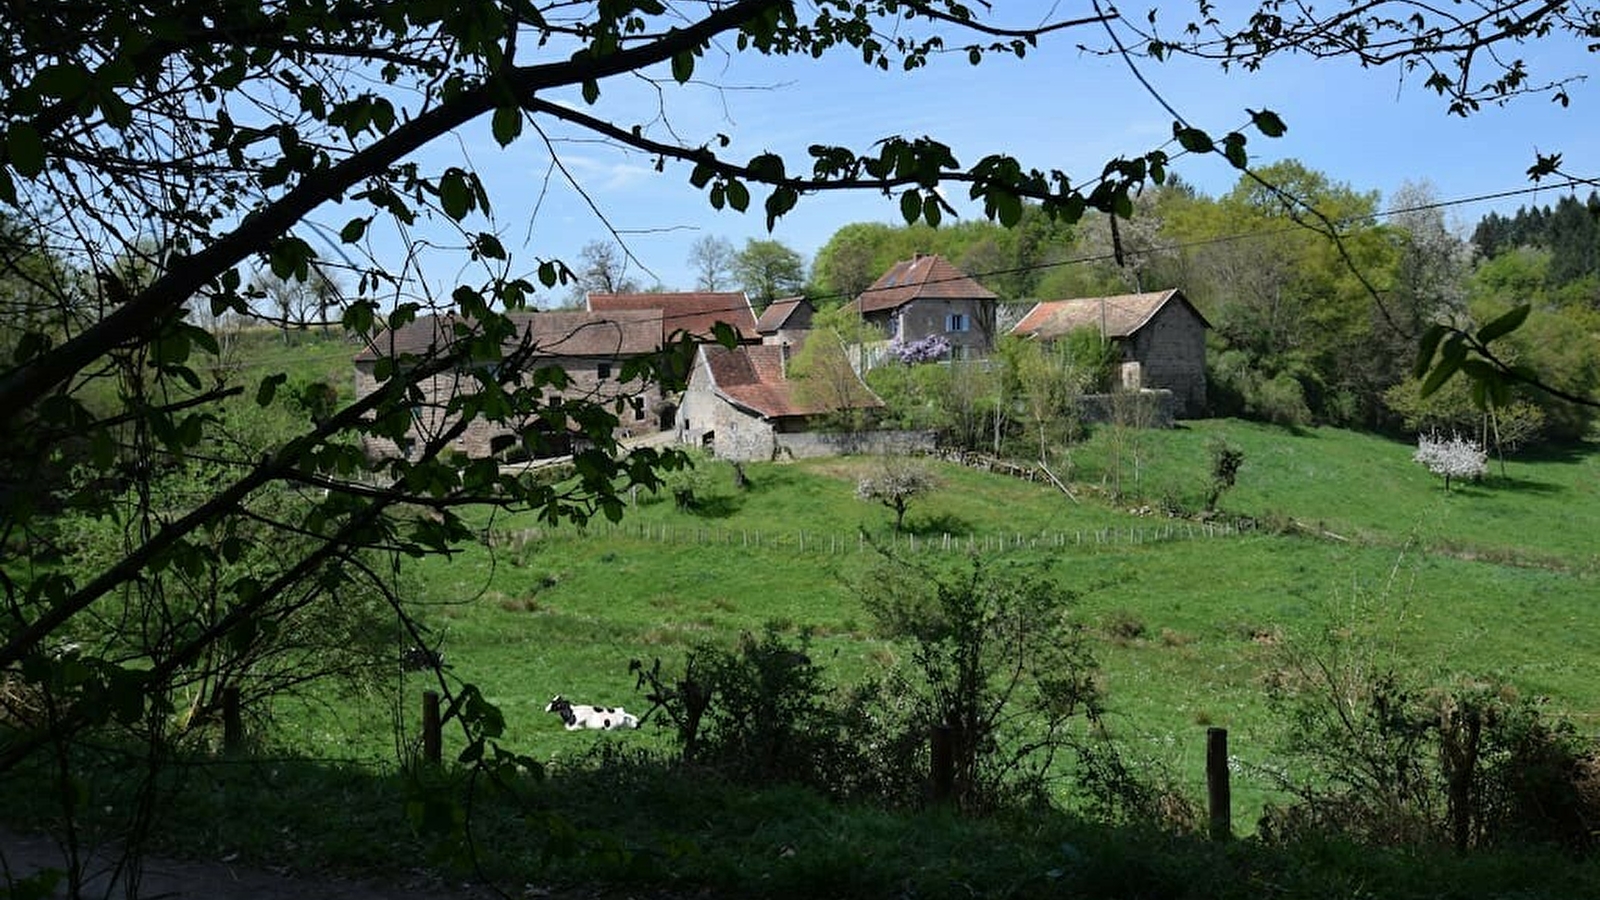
x=560 y=333
x=774 y=316
x=1122 y=315
x=920 y=278
x=691 y=311
x=756 y=377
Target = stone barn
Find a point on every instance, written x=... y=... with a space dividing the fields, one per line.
x=592 y=348
x=741 y=404
x=1160 y=336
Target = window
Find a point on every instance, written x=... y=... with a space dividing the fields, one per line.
x=957 y=322
x=603 y=371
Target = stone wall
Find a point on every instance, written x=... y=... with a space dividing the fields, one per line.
x=813 y=444
x=1142 y=409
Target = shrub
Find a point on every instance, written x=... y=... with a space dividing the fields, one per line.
x=994 y=659
x=1382 y=758
x=759 y=713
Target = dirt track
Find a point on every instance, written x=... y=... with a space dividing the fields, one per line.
x=23 y=854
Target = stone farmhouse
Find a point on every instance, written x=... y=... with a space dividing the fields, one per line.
x=742 y=405
x=926 y=296
x=1160 y=336
x=590 y=347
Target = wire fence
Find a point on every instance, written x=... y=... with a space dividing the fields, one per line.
x=838 y=543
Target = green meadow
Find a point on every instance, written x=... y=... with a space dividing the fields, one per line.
x=1325 y=529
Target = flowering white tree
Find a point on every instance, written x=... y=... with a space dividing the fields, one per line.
x=1456 y=457
x=895 y=484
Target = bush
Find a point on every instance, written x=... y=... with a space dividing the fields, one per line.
x=994 y=659
x=1382 y=759
x=759 y=713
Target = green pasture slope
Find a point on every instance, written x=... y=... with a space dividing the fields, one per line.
x=1493 y=580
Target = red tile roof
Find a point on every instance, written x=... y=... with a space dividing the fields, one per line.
x=774 y=316
x=691 y=311
x=1121 y=315
x=561 y=333
x=920 y=278
x=756 y=377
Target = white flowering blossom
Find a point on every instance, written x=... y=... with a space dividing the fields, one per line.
x=1455 y=457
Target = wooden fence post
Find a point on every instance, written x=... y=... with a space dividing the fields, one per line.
x=1218 y=794
x=432 y=738
x=232 y=721
x=941 y=746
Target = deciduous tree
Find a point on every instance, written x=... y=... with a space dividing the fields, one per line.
x=768 y=271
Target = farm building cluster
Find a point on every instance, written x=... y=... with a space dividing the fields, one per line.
x=745 y=400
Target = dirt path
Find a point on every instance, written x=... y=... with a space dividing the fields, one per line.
x=23 y=854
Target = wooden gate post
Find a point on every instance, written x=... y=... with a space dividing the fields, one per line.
x=942 y=752
x=432 y=738
x=232 y=721
x=1218 y=794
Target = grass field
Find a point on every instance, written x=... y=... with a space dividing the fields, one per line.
x=1494 y=580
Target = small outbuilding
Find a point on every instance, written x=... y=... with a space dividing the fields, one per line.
x=742 y=404
x=1160 y=336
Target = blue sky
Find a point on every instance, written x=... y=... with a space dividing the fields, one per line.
x=1059 y=108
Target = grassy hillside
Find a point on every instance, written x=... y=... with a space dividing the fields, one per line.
x=1488 y=581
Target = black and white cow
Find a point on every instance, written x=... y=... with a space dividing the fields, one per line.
x=577 y=716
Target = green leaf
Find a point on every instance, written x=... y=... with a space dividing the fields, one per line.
x=353 y=231
x=25 y=149
x=269 y=388
x=358 y=317
x=1233 y=150
x=1193 y=139
x=1449 y=363
x=1007 y=207
x=455 y=196
x=489 y=247
x=383 y=115
x=911 y=206
x=781 y=201
x=1504 y=325
x=738 y=195
x=506 y=124
x=1425 y=350
x=1268 y=123
x=682 y=65
x=591 y=91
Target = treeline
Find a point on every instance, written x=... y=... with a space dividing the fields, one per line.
x=1316 y=292
x=1565 y=239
